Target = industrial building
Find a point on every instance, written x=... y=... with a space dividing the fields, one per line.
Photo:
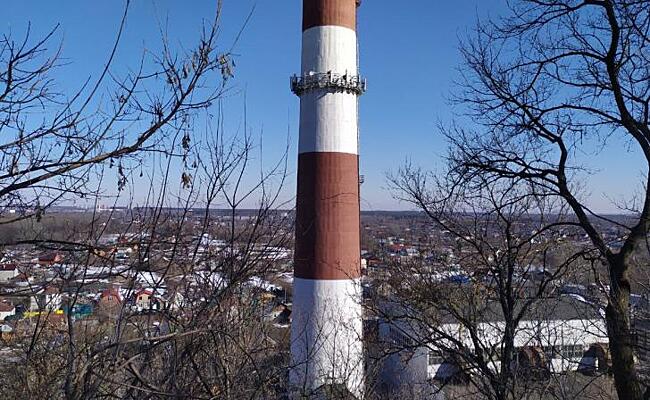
x=556 y=335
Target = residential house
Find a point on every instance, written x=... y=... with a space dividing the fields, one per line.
x=6 y=309
x=146 y=299
x=8 y=272
x=111 y=297
x=45 y=299
x=6 y=332
x=50 y=258
x=109 y=303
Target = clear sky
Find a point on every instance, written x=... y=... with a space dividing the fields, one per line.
x=408 y=54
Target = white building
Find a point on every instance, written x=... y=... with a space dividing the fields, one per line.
x=46 y=299
x=8 y=272
x=557 y=335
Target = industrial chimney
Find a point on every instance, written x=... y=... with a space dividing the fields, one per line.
x=326 y=342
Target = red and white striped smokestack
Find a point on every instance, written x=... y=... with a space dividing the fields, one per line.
x=326 y=342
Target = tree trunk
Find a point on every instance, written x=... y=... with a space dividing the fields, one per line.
x=621 y=341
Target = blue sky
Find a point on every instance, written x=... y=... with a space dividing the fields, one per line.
x=408 y=54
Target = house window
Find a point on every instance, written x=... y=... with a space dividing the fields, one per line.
x=436 y=357
x=574 y=351
x=566 y=352
x=399 y=338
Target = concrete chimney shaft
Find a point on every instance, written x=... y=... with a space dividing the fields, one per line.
x=326 y=342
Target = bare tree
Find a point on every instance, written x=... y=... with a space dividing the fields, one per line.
x=185 y=314
x=53 y=142
x=486 y=298
x=168 y=298
x=548 y=81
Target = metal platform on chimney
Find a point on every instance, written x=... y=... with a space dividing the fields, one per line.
x=328 y=80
